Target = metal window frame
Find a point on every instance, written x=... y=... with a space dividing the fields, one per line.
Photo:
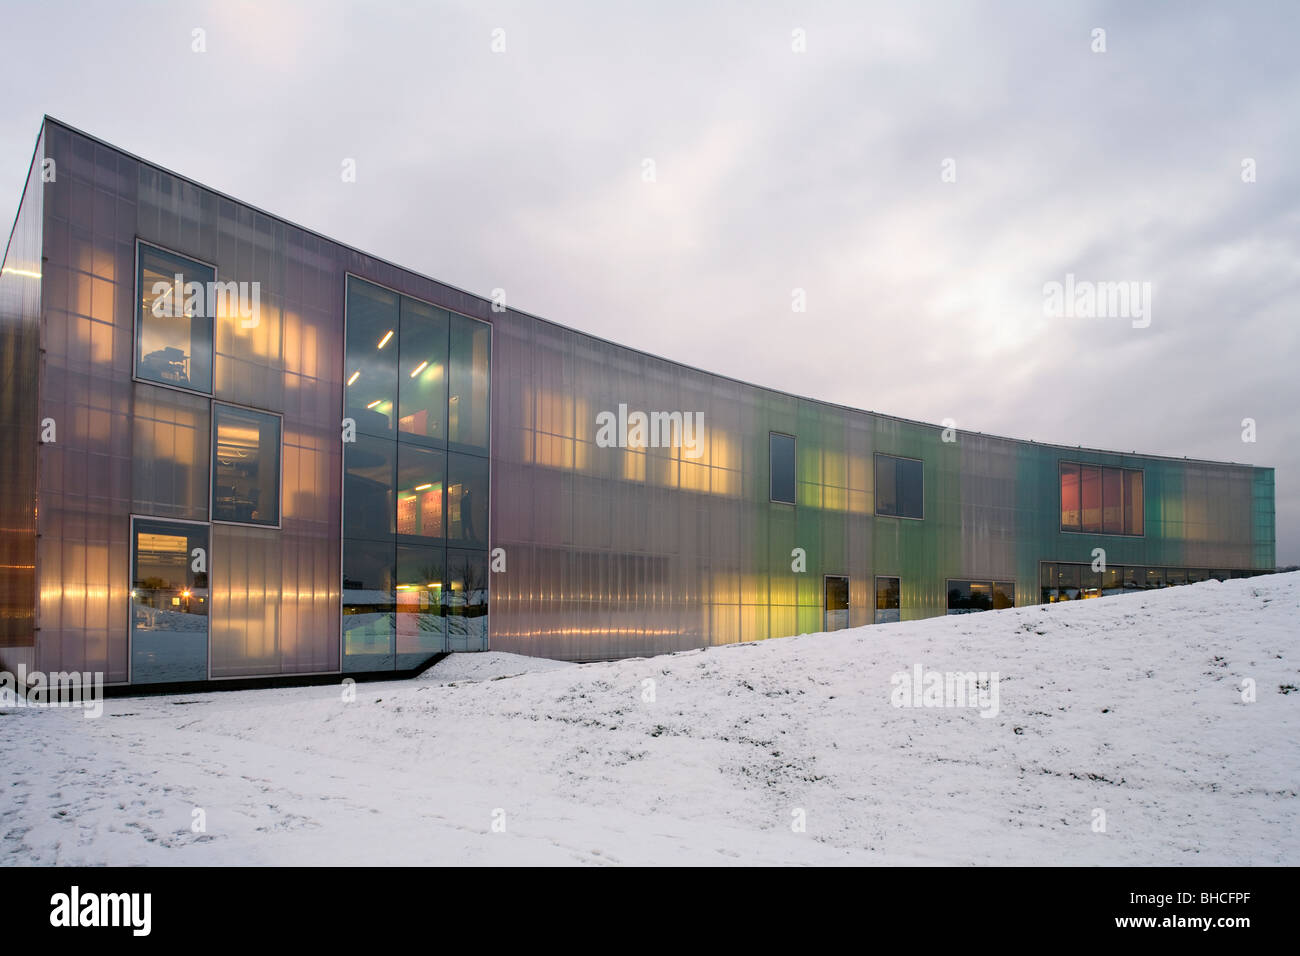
x=212 y=469
x=782 y=501
x=130 y=616
x=137 y=320
x=875 y=493
x=1122 y=469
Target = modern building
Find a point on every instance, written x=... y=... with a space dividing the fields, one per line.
x=235 y=448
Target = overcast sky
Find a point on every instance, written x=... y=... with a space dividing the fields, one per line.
x=775 y=170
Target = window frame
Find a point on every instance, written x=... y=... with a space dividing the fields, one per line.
x=1124 y=471
x=794 y=449
x=212 y=471
x=875 y=495
x=875 y=597
x=137 y=320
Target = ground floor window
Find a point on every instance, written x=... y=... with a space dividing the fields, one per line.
x=887 y=599
x=169 y=601
x=1067 y=581
x=965 y=597
x=836 y=616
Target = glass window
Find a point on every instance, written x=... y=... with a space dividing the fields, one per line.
x=420 y=492
x=900 y=488
x=965 y=597
x=1196 y=574
x=173 y=333
x=1135 y=578
x=1004 y=594
x=835 y=603
x=471 y=369
x=370 y=365
x=1112 y=500
x=465 y=600
x=1155 y=578
x=1090 y=486
x=368 y=488
x=421 y=577
x=169 y=602
x=368 y=605
x=422 y=382
x=1070 y=516
x=1175 y=577
x=1134 y=503
x=887 y=600
x=245 y=466
x=781 y=458
x=170 y=446
x=467 y=500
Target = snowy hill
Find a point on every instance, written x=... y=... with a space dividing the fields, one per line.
x=1131 y=705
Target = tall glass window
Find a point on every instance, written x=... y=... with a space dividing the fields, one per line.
x=422 y=379
x=415 y=493
x=245 y=466
x=471 y=367
x=370 y=366
x=169 y=602
x=1134 y=503
x=781 y=459
x=1090 y=486
x=1070 y=515
x=900 y=487
x=173 y=329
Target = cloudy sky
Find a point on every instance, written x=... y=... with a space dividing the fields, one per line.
x=823 y=170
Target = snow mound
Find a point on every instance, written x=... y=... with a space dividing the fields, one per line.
x=1156 y=728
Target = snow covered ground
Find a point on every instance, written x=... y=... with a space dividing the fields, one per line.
x=1128 y=705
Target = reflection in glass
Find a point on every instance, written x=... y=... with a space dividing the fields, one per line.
x=173 y=339
x=422 y=382
x=900 y=489
x=370 y=365
x=368 y=490
x=467 y=500
x=887 y=600
x=421 y=630
x=420 y=492
x=465 y=600
x=245 y=466
x=1133 y=503
x=368 y=606
x=836 y=603
x=169 y=602
x=467 y=402
x=1112 y=497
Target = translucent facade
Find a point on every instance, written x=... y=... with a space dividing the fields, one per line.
x=275 y=455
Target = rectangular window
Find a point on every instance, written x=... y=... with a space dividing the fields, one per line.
x=1004 y=594
x=467 y=501
x=1090 y=485
x=900 y=487
x=835 y=602
x=169 y=602
x=368 y=605
x=887 y=600
x=465 y=600
x=1112 y=501
x=471 y=370
x=245 y=466
x=173 y=329
x=965 y=597
x=1134 y=503
x=1100 y=500
x=422 y=382
x=370 y=365
x=420 y=492
x=781 y=458
x=1070 y=497
x=369 y=489
x=421 y=578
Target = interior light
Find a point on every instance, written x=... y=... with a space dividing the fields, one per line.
x=355 y=375
x=374 y=403
x=384 y=340
x=427 y=484
x=419 y=368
